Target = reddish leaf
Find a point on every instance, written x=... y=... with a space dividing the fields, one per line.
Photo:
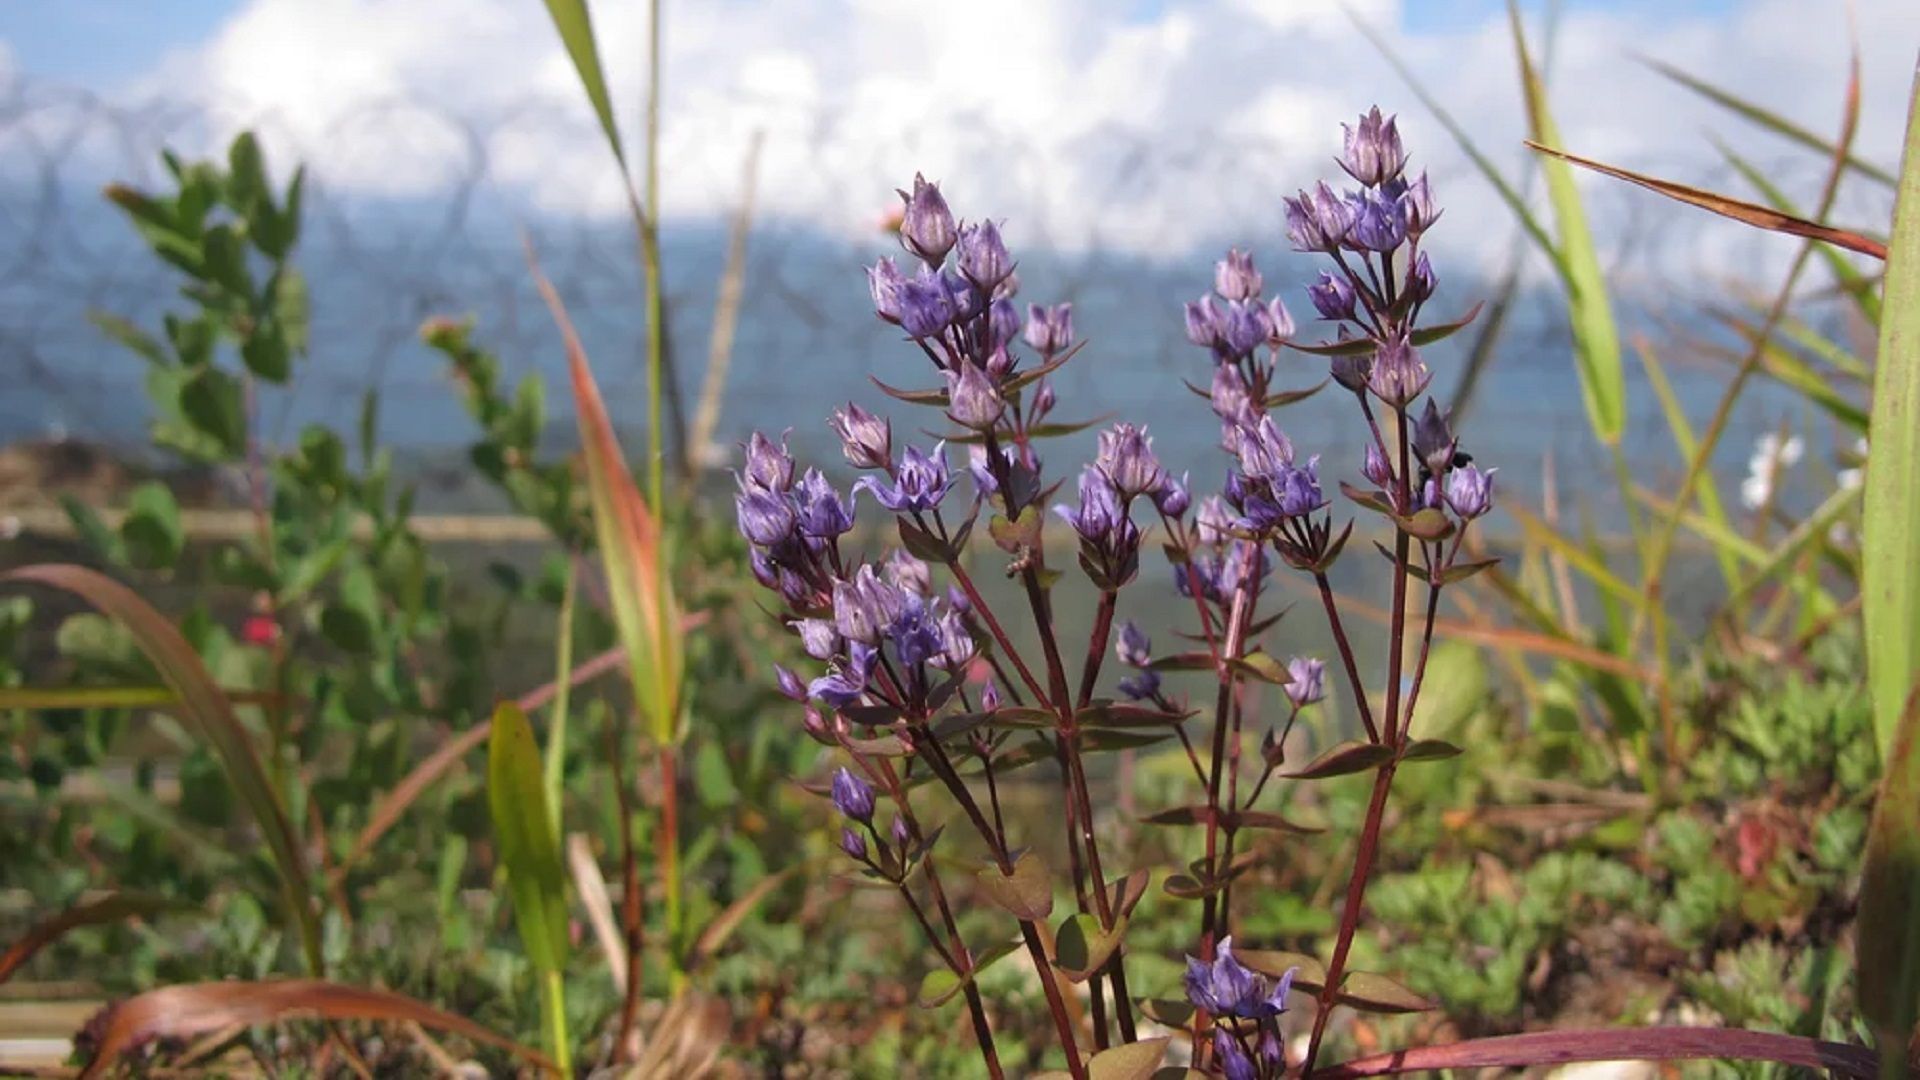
x=111 y=908
x=1616 y=1044
x=1344 y=759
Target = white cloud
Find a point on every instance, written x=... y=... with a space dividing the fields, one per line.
x=1081 y=127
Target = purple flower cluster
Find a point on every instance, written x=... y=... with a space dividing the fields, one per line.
x=1244 y=1005
x=793 y=525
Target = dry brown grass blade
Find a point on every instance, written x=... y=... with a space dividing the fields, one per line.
x=111 y=908
x=196 y=1009
x=1525 y=641
x=1760 y=217
x=591 y=886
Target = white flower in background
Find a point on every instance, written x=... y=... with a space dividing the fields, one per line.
x=1851 y=479
x=1771 y=456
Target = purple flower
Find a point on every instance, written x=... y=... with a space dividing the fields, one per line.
x=885 y=282
x=1417 y=207
x=1281 y=321
x=821 y=512
x=1043 y=399
x=1351 y=371
x=865 y=439
x=789 y=683
x=915 y=634
x=1141 y=685
x=769 y=467
x=1049 y=329
x=1398 y=375
x=866 y=608
x=983 y=256
x=1376 y=469
x=853 y=844
x=1213 y=520
x=926 y=225
x=1433 y=440
x=990 y=697
x=1099 y=516
x=1003 y=325
x=1297 y=491
x=843 y=685
x=898 y=831
x=1378 y=224
x=1231 y=1057
x=1470 y=491
x=926 y=306
x=765 y=518
x=852 y=796
x=1227 y=987
x=1203 y=323
x=1421 y=282
x=1332 y=297
x=1306 y=681
x=1244 y=327
x=957 y=599
x=908 y=573
x=1373 y=154
x=972 y=399
x=1232 y=401
x=818 y=637
x=919 y=484
x=1173 y=498
x=965 y=299
x=1234 y=277
x=1126 y=457
x=1317 y=220
x=1133 y=647
x=1265 y=451
x=956 y=645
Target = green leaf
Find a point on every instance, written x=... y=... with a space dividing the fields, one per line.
x=1081 y=946
x=575 y=24
x=1890 y=539
x=536 y=879
x=1429 y=750
x=211 y=401
x=940 y=985
x=246 y=173
x=126 y=333
x=93 y=531
x=1027 y=892
x=1344 y=760
x=1369 y=992
x=291 y=309
x=1596 y=340
x=152 y=531
x=225 y=256
x=265 y=352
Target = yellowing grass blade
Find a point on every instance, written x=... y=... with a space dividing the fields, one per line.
x=631 y=553
x=1890 y=541
x=1596 y=339
x=209 y=715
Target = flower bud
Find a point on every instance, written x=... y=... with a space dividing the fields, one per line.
x=1003 y=324
x=1421 y=282
x=1433 y=440
x=1398 y=374
x=1043 y=399
x=1234 y=277
x=1417 y=207
x=1203 y=323
x=865 y=439
x=789 y=683
x=1281 y=322
x=853 y=844
x=1373 y=154
x=1173 y=497
x=768 y=467
x=1126 y=457
x=1049 y=329
x=983 y=256
x=1306 y=681
x=1470 y=491
x=1376 y=469
x=885 y=281
x=1133 y=647
x=972 y=399
x=926 y=225
x=852 y=796
x=818 y=637
x=926 y=307
x=1332 y=297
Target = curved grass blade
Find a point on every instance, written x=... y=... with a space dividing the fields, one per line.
x=111 y=908
x=210 y=715
x=1685 y=442
x=1773 y=122
x=1596 y=337
x=1851 y=281
x=575 y=25
x=197 y=1009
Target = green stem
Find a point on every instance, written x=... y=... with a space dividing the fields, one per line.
x=553 y=1021
x=563 y=690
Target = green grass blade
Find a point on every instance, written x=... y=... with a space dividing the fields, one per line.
x=210 y=716
x=1890 y=549
x=1596 y=338
x=536 y=879
x=1771 y=121
x=1851 y=281
x=1827 y=350
x=562 y=697
x=575 y=24
x=1684 y=440
x=1889 y=926
x=1811 y=529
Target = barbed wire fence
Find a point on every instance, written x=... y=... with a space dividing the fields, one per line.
x=450 y=244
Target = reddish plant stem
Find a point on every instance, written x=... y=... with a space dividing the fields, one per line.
x=993 y=627
x=1350 y=915
x=1346 y=655
x=632 y=927
x=1616 y=1044
x=1222 y=719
